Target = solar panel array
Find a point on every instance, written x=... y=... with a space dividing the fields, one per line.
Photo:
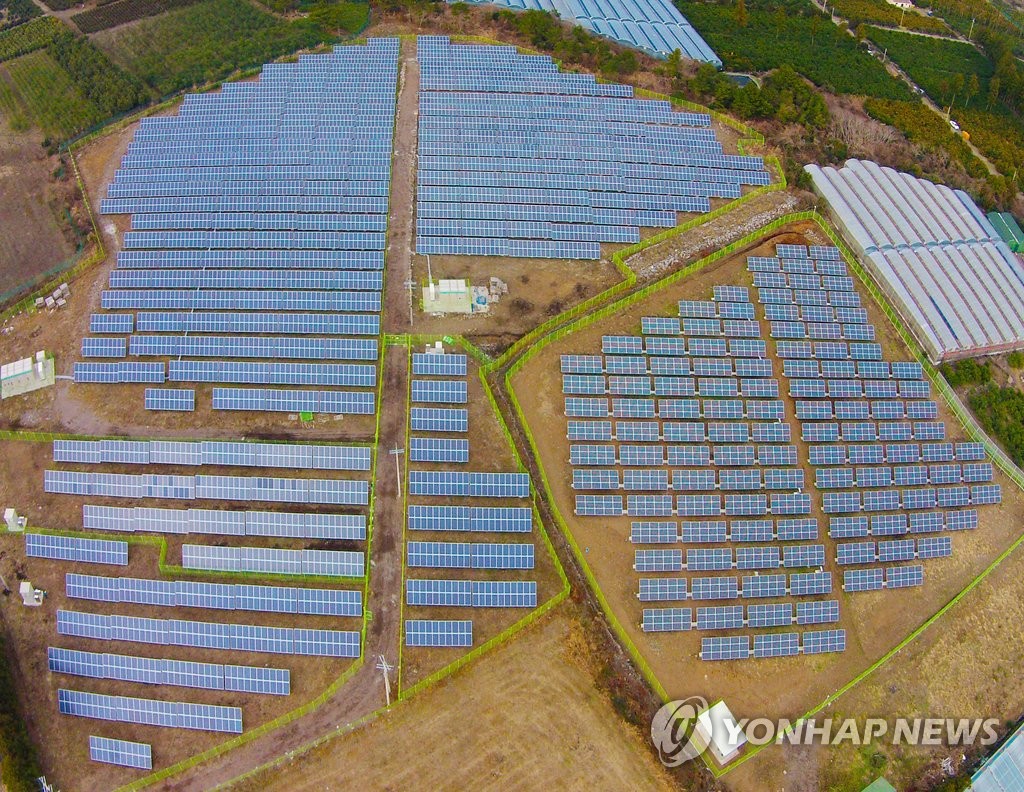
x=655 y=27
x=121 y=752
x=216 y=596
x=442 y=378
x=209 y=635
x=880 y=454
x=299 y=456
x=519 y=159
x=711 y=482
x=175 y=714
x=258 y=216
x=181 y=673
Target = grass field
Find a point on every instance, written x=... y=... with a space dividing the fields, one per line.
x=205 y=42
x=874 y=622
x=793 y=32
x=48 y=97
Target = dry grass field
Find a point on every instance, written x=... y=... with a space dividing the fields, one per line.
x=874 y=622
x=525 y=716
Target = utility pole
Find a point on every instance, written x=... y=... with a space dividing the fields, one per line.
x=903 y=15
x=396 y=452
x=384 y=667
x=971 y=31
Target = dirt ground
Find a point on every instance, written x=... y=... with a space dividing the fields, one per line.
x=488 y=452
x=874 y=621
x=36 y=236
x=525 y=716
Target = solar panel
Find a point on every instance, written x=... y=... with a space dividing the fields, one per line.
x=69 y=548
x=822 y=641
x=434 y=633
x=120 y=752
x=205 y=717
x=666 y=619
x=733 y=647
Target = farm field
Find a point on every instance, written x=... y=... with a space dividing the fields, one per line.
x=879 y=12
x=542 y=683
x=49 y=97
x=793 y=32
x=874 y=622
x=205 y=42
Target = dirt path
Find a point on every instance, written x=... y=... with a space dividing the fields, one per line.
x=401 y=219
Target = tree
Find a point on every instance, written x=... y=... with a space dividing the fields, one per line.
x=741 y=13
x=993 y=92
x=956 y=85
x=971 y=89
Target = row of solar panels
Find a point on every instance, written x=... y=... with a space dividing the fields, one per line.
x=542 y=213
x=176 y=400
x=255 y=240
x=642 y=480
x=711 y=531
x=459 y=484
x=123 y=753
x=731 y=617
x=209 y=635
x=800 y=280
x=301 y=456
x=863 y=410
x=471 y=593
x=914 y=475
x=899 y=524
x=178 y=715
x=850 y=369
x=473 y=194
x=232 y=347
x=666 y=366
x=217 y=596
x=678 y=346
x=893 y=550
x=908 y=499
x=707 y=387
x=273 y=561
x=756 y=586
x=720 y=409
x=773 y=645
x=490 y=519
x=689 y=456
x=237 y=300
x=78 y=549
x=438 y=633
x=513 y=229
x=779 y=312
x=684 y=432
x=823 y=331
x=905 y=453
x=726 y=188
x=359 y=280
x=237 y=488
x=828 y=388
x=662 y=175
x=508 y=248
x=469 y=555
x=876 y=579
x=262 y=259
x=294 y=401
x=251 y=373
x=439 y=449
x=839 y=299
x=869 y=431
x=180 y=673
x=702 y=559
x=692 y=505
